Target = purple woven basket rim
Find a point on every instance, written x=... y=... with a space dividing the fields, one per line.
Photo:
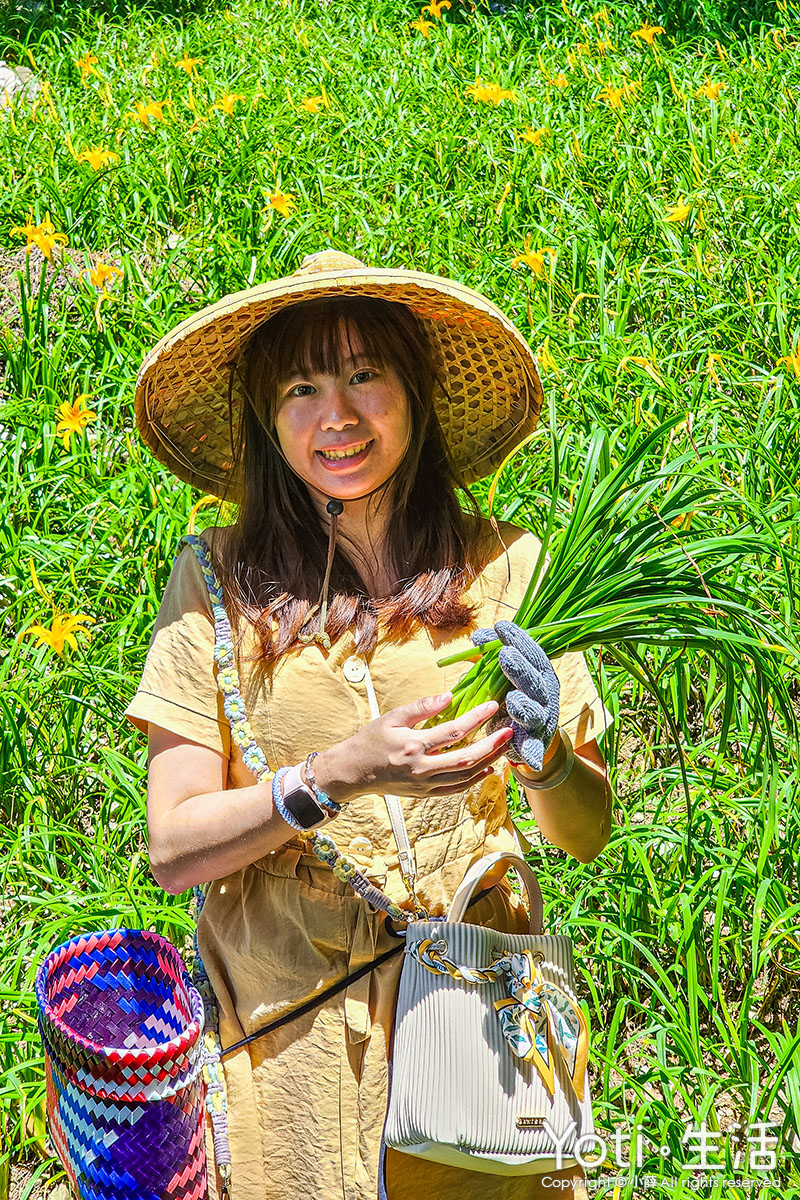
x=126 y=1055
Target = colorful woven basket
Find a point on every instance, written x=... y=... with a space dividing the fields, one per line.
x=122 y=1030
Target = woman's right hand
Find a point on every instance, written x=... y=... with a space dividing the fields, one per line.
x=390 y=755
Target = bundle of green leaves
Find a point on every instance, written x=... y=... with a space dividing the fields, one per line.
x=650 y=557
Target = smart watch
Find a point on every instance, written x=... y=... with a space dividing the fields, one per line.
x=299 y=800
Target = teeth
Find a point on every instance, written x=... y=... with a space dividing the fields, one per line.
x=344 y=453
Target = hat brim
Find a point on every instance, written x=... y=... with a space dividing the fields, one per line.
x=491 y=400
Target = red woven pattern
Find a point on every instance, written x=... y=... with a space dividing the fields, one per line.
x=119 y=1012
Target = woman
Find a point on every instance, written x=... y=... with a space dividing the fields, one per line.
x=342 y=408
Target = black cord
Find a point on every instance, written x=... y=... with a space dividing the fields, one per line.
x=335 y=988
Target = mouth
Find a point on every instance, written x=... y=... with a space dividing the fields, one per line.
x=338 y=460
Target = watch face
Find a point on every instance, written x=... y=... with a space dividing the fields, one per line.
x=304 y=808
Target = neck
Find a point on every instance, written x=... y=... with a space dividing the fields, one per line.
x=361 y=535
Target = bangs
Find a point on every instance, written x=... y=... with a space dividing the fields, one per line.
x=315 y=345
x=306 y=339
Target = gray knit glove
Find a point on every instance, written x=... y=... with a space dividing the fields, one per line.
x=532 y=706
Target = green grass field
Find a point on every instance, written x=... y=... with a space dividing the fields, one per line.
x=632 y=199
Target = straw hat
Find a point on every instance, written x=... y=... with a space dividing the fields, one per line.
x=493 y=398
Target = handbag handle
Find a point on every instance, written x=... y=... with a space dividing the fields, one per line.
x=476 y=873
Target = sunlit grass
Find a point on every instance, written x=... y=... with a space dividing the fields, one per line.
x=632 y=199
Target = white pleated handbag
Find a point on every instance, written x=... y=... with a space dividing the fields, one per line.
x=491 y=1045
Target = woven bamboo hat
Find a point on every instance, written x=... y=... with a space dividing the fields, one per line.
x=189 y=399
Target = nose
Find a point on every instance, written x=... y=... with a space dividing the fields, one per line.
x=338 y=411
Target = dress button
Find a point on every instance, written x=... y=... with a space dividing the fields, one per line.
x=354 y=669
x=360 y=850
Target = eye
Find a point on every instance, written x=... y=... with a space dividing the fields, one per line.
x=296 y=389
x=355 y=377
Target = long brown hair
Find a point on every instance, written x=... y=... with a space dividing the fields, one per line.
x=272 y=561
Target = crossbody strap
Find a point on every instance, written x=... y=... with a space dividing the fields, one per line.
x=322 y=844
x=394 y=809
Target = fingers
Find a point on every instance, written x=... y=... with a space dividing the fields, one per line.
x=528 y=712
x=481 y=636
x=458 y=764
x=511 y=635
x=418 y=710
x=528 y=678
x=449 y=733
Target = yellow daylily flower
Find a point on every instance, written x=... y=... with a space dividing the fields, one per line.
x=711 y=370
x=645 y=363
x=42 y=235
x=63 y=631
x=88 y=66
x=488 y=93
x=28 y=230
x=225 y=102
x=546 y=361
x=560 y=81
x=678 y=212
x=102 y=272
x=283 y=202
x=435 y=8
x=647 y=32
x=73 y=418
x=422 y=26
x=612 y=96
x=97 y=157
x=313 y=104
x=143 y=113
x=534 y=258
x=603 y=15
x=535 y=136
x=603 y=46
x=792 y=362
x=710 y=90
x=734 y=137
x=189 y=65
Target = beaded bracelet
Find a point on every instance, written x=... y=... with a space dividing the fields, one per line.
x=323 y=799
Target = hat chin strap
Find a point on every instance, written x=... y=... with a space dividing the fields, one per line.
x=334 y=508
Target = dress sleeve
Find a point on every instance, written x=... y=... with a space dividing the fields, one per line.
x=583 y=714
x=178 y=688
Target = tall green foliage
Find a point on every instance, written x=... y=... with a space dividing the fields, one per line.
x=634 y=206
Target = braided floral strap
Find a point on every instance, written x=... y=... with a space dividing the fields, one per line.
x=322 y=844
x=216 y=1099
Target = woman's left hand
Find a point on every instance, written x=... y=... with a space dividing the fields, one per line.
x=533 y=704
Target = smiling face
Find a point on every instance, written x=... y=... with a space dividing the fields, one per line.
x=322 y=418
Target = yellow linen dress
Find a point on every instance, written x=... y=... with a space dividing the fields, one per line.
x=306 y=1103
